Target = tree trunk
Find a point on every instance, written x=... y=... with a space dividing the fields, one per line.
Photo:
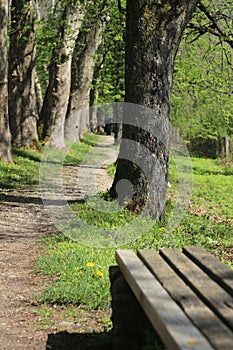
x=22 y=56
x=57 y=94
x=227 y=146
x=96 y=117
x=153 y=33
x=77 y=120
x=5 y=137
x=39 y=97
x=94 y=93
x=117 y=127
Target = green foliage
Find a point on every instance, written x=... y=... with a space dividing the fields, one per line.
x=201 y=103
x=46 y=42
x=202 y=89
x=109 y=70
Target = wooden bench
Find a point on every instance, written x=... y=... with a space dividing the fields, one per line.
x=187 y=297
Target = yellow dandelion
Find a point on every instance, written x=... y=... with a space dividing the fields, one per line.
x=90 y=264
x=162 y=229
x=99 y=273
x=192 y=341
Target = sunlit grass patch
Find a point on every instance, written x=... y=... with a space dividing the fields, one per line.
x=25 y=169
x=77 y=151
x=81 y=272
x=213 y=189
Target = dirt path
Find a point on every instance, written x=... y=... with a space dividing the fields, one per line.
x=23 y=325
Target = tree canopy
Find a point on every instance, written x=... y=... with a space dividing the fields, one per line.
x=202 y=84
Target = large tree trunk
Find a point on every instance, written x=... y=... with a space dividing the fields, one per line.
x=57 y=94
x=77 y=120
x=22 y=55
x=154 y=30
x=5 y=137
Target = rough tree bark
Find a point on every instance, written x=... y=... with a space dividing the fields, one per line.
x=87 y=43
x=5 y=137
x=22 y=57
x=56 y=98
x=154 y=30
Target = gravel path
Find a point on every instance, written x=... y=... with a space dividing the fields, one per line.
x=22 y=221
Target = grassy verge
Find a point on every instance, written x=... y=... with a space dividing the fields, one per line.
x=82 y=272
x=79 y=273
x=25 y=170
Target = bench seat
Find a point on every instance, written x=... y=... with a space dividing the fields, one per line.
x=186 y=296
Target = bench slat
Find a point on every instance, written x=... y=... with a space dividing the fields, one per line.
x=173 y=326
x=214 y=295
x=212 y=266
x=216 y=332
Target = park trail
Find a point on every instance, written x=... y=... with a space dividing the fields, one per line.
x=23 y=220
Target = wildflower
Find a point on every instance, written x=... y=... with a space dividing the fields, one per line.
x=90 y=264
x=99 y=273
x=192 y=341
x=166 y=235
x=162 y=229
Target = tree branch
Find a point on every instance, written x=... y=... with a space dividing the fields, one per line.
x=214 y=27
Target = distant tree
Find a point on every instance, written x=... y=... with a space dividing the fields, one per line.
x=5 y=137
x=83 y=62
x=108 y=79
x=153 y=33
x=56 y=99
x=22 y=64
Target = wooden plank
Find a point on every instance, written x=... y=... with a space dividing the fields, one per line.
x=173 y=326
x=218 y=334
x=212 y=266
x=208 y=290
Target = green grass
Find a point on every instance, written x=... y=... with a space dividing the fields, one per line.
x=79 y=274
x=77 y=151
x=213 y=188
x=25 y=170
x=77 y=283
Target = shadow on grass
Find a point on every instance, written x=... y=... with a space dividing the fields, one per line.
x=20 y=152
x=227 y=172
x=11 y=198
x=79 y=341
